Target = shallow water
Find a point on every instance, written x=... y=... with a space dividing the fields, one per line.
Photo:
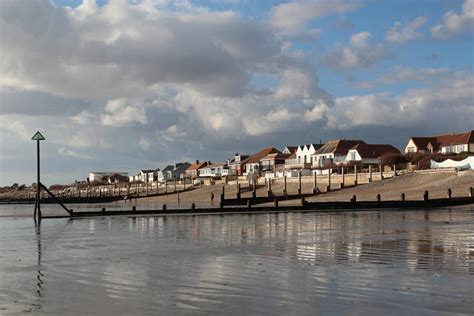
x=378 y=263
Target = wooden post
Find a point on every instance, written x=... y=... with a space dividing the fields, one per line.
x=193 y=206
x=379 y=198
x=164 y=207
x=137 y=189
x=285 y=192
x=329 y=181
x=254 y=193
x=381 y=172
x=315 y=183
x=103 y=210
x=354 y=199
x=128 y=189
x=174 y=185
x=303 y=202
x=146 y=188
x=299 y=183
x=343 y=178
x=223 y=192
x=394 y=170
x=238 y=191
x=134 y=208
x=471 y=192
x=403 y=197
x=426 y=196
x=276 y=203
x=249 y=204
x=450 y=194
x=370 y=173
x=269 y=187
x=356 y=181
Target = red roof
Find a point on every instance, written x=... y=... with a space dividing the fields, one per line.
x=444 y=140
x=255 y=158
x=197 y=165
x=375 y=150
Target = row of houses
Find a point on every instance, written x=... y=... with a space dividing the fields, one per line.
x=306 y=159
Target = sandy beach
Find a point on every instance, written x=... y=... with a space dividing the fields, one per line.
x=413 y=185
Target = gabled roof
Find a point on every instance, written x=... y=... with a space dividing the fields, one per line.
x=255 y=158
x=197 y=165
x=291 y=149
x=444 y=140
x=375 y=150
x=338 y=147
x=168 y=168
x=181 y=166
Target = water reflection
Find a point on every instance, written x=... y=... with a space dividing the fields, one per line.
x=296 y=263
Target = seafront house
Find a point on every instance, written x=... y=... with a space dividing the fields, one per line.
x=236 y=165
x=273 y=161
x=253 y=164
x=165 y=173
x=215 y=170
x=333 y=152
x=175 y=172
x=302 y=158
x=148 y=175
x=444 y=144
x=100 y=175
x=369 y=154
x=193 y=169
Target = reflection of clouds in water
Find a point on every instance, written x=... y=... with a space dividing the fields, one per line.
x=92 y=226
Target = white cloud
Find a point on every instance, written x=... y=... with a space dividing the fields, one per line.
x=400 y=74
x=71 y=153
x=400 y=34
x=359 y=53
x=447 y=104
x=454 y=23
x=120 y=112
x=291 y=19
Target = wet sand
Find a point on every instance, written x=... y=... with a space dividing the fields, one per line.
x=368 y=263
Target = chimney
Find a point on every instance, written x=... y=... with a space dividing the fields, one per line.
x=197 y=161
x=320 y=141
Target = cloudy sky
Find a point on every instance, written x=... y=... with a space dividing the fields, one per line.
x=124 y=85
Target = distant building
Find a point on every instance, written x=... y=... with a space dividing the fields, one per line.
x=193 y=170
x=445 y=144
x=302 y=157
x=104 y=176
x=176 y=172
x=214 y=170
x=273 y=161
x=253 y=163
x=237 y=164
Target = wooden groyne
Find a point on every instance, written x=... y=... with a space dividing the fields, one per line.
x=302 y=206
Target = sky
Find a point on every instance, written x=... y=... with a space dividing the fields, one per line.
x=126 y=85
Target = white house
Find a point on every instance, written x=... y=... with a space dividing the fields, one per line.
x=99 y=175
x=333 y=152
x=302 y=157
x=214 y=170
x=369 y=153
x=176 y=172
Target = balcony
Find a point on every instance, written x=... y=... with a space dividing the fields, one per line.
x=294 y=164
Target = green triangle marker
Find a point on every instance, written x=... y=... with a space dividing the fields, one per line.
x=38 y=136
